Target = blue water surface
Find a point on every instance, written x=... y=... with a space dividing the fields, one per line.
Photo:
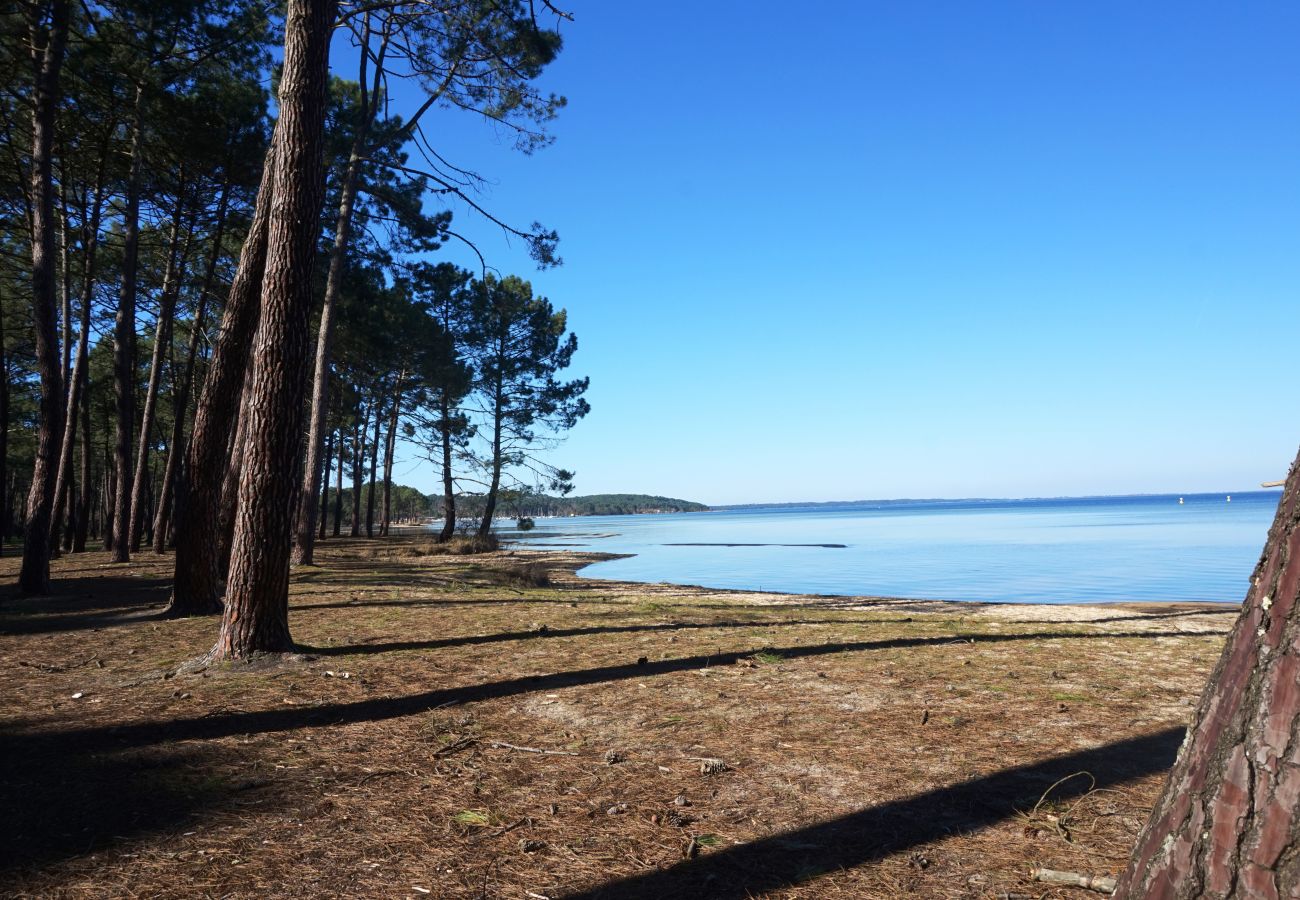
x=1067 y=550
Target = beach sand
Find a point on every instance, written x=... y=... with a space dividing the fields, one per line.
x=494 y=726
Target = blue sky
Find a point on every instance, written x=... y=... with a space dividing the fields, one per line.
x=870 y=250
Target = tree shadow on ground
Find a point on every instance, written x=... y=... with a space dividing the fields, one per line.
x=537 y=634
x=794 y=857
x=77 y=603
x=61 y=801
x=141 y=734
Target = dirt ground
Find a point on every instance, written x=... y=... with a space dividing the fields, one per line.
x=458 y=727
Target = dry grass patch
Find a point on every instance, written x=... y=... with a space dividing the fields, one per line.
x=493 y=726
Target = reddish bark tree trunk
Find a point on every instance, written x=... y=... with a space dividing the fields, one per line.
x=256 y=617
x=1228 y=822
x=48 y=41
x=197 y=585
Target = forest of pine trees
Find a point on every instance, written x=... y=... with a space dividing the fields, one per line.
x=223 y=314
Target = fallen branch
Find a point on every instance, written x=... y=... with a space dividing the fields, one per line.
x=1103 y=884
x=502 y=745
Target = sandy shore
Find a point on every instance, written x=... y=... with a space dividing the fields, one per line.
x=497 y=727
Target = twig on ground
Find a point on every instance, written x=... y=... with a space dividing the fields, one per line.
x=502 y=745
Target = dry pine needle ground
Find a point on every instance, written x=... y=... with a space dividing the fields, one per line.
x=696 y=743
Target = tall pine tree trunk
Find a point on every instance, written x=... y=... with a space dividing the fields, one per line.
x=1228 y=822
x=389 y=446
x=325 y=487
x=79 y=375
x=256 y=616
x=338 y=487
x=85 y=502
x=181 y=399
x=448 y=482
x=48 y=41
x=374 y=463
x=494 y=485
x=229 y=504
x=197 y=585
x=124 y=343
x=358 y=468
x=313 y=468
x=162 y=336
x=5 y=493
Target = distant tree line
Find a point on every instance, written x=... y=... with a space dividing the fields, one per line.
x=529 y=505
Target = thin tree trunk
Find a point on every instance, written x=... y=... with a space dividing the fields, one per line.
x=256 y=617
x=47 y=61
x=1228 y=821
x=181 y=400
x=86 y=502
x=338 y=487
x=389 y=446
x=124 y=344
x=6 y=493
x=374 y=463
x=80 y=369
x=448 y=482
x=358 y=467
x=176 y=259
x=489 y=508
x=230 y=489
x=197 y=585
x=313 y=468
x=325 y=487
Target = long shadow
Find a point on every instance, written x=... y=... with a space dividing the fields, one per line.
x=79 y=603
x=794 y=857
x=472 y=639
x=60 y=801
x=262 y=721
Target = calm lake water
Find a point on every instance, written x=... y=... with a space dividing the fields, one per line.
x=1071 y=550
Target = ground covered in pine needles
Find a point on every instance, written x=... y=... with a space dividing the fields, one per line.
x=493 y=727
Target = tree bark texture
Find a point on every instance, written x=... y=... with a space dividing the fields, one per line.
x=1228 y=822
x=256 y=616
x=48 y=42
x=197 y=585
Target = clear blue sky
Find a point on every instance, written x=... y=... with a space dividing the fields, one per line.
x=870 y=250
